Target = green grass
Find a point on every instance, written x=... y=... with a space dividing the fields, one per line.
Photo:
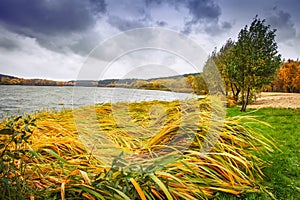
x=282 y=177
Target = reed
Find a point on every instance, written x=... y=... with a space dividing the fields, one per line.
x=162 y=146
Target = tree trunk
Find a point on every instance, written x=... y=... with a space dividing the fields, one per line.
x=235 y=91
x=245 y=100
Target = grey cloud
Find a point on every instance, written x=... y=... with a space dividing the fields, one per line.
x=198 y=9
x=204 y=17
x=226 y=25
x=8 y=43
x=187 y=28
x=125 y=15
x=98 y=6
x=148 y=2
x=203 y=10
x=125 y=24
x=86 y=43
x=49 y=17
x=216 y=29
x=282 y=21
x=54 y=24
x=161 y=23
x=202 y=14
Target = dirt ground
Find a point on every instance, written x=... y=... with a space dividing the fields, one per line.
x=277 y=100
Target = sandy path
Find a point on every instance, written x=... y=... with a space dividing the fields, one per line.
x=277 y=100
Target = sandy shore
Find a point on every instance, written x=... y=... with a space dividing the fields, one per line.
x=277 y=100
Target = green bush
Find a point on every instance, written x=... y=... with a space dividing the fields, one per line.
x=14 y=137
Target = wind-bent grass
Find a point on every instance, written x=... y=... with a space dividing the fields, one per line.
x=148 y=134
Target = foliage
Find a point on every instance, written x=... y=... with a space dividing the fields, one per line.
x=221 y=59
x=198 y=84
x=62 y=168
x=193 y=83
x=287 y=78
x=14 y=153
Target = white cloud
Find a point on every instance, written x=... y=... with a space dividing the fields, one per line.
x=124 y=52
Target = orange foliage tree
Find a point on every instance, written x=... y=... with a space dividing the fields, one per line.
x=288 y=77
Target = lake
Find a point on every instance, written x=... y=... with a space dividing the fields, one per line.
x=16 y=99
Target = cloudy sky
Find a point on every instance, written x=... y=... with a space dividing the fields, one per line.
x=53 y=38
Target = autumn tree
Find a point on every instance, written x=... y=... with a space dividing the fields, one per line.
x=254 y=60
x=296 y=82
x=288 y=77
x=221 y=59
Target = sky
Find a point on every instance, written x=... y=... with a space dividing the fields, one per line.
x=56 y=39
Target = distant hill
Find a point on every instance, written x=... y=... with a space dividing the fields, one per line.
x=11 y=80
x=6 y=76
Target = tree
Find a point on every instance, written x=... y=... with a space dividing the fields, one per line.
x=253 y=61
x=287 y=78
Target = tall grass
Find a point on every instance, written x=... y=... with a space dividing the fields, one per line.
x=162 y=152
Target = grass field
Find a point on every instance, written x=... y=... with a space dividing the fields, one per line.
x=54 y=164
x=282 y=177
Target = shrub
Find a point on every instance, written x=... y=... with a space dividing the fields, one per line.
x=14 y=153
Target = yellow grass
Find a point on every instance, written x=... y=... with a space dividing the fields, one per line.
x=163 y=152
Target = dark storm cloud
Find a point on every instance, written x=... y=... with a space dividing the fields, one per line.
x=48 y=17
x=282 y=21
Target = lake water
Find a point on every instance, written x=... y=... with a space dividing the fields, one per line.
x=20 y=99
